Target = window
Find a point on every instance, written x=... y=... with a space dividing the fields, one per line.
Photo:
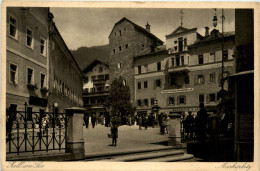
x=177 y=60
x=120 y=48
x=120 y=33
x=200 y=79
x=93 y=77
x=124 y=29
x=212 y=77
x=200 y=58
x=29 y=37
x=175 y=48
x=142 y=46
x=152 y=101
x=13 y=27
x=119 y=65
x=146 y=102
x=100 y=69
x=186 y=79
x=212 y=97
x=139 y=85
x=29 y=114
x=201 y=98
x=175 y=42
x=225 y=55
x=158 y=66
x=158 y=83
x=138 y=102
x=106 y=76
x=126 y=45
x=114 y=51
x=180 y=40
x=145 y=84
x=42 y=50
x=182 y=99
x=182 y=60
x=42 y=80
x=139 y=69
x=172 y=80
x=145 y=68
x=172 y=62
x=29 y=76
x=171 y=101
x=13 y=74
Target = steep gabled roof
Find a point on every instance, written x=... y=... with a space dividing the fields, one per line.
x=94 y=63
x=180 y=30
x=148 y=51
x=137 y=27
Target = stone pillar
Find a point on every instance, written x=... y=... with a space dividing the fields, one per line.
x=75 y=140
x=175 y=129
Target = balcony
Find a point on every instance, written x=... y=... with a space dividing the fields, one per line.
x=182 y=68
x=96 y=91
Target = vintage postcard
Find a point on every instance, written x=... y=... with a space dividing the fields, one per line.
x=130 y=85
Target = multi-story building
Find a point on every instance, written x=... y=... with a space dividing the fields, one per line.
x=27 y=33
x=188 y=73
x=149 y=76
x=126 y=40
x=96 y=87
x=40 y=69
x=65 y=75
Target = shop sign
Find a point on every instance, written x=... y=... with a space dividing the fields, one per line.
x=187 y=109
x=177 y=90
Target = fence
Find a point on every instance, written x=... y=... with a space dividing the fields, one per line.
x=28 y=131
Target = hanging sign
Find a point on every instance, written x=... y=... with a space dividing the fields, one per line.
x=177 y=90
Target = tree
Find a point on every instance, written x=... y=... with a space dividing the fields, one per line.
x=119 y=98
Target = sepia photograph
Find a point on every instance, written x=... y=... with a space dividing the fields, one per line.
x=117 y=84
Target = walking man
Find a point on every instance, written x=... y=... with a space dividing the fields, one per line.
x=114 y=132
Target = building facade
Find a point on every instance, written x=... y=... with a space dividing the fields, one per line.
x=40 y=69
x=184 y=74
x=65 y=76
x=126 y=40
x=96 y=87
x=27 y=33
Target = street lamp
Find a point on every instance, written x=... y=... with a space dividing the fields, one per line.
x=215 y=22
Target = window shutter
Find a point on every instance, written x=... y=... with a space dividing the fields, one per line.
x=219 y=77
x=16 y=76
x=207 y=100
x=203 y=79
x=178 y=100
x=196 y=80
x=184 y=99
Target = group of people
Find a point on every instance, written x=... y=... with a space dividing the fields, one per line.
x=163 y=120
x=197 y=125
x=145 y=120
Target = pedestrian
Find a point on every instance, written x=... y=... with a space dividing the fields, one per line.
x=163 y=124
x=202 y=120
x=167 y=124
x=189 y=124
x=93 y=120
x=146 y=122
x=160 y=117
x=114 y=132
x=86 y=119
x=140 y=122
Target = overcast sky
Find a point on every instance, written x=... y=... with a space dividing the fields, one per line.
x=92 y=26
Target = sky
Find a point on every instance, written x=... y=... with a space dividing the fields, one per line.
x=92 y=26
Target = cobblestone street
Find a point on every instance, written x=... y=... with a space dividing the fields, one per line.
x=129 y=137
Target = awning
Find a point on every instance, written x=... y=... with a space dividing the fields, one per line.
x=242 y=73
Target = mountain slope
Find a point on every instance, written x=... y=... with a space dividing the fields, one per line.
x=85 y=55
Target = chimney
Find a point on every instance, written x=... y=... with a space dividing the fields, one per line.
x=147 y=27
x=206 y=31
